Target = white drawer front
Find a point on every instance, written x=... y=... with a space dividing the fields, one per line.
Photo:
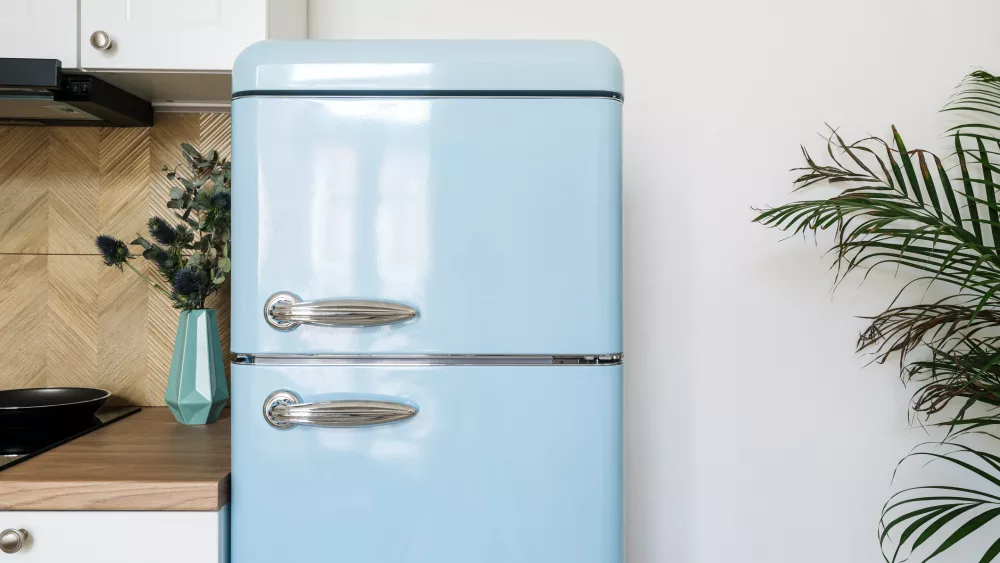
x=120 y=537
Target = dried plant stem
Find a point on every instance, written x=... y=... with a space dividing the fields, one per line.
x=149 y=281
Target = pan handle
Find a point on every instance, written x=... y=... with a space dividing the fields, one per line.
x=284 y=410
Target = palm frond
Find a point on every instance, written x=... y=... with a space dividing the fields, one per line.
x=901 y=330
x=970 y=371
x=906 y=208
x=894 y=217
x=930 y=520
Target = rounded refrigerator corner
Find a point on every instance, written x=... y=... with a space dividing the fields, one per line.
x=608 y=64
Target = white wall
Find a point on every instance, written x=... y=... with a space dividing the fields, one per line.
x=753 y=435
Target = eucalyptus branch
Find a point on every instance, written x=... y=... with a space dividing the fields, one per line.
x=191 y=256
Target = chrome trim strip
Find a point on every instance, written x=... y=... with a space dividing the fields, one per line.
x=427 y=360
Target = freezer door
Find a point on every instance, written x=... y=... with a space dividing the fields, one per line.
x=426 y=226
x=484 y=464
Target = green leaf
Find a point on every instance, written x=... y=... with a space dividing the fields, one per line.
x=911 y=175
x=907 y=516
x=929 y=183
x=940 y=523
x=990 y=193
x=176 y=193
x=991 y=553
x=141 y=241
x=219 y=280
x=896 y=172
x=974 y=523
x=949 y=191
x=190 y=152
x=916 y=525
x=175 y=204
x=225 y=265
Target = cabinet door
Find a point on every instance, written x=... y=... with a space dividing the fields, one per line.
x=120 y=537
x=39 y=29
x=177 y=35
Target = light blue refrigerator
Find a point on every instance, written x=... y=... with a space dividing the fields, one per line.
x=426 y=301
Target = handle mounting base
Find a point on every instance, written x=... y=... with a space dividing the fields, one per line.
x=275 y=399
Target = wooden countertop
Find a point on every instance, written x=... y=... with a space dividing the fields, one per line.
x=146 y=461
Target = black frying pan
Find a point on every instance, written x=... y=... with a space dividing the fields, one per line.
x=49 y=407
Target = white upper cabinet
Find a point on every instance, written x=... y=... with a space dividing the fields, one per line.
x=39 y=29
x=185 y=35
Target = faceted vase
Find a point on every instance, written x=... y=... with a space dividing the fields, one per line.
x=196 y=390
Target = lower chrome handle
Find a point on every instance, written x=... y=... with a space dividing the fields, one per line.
x=11 y=540
x=284 y=410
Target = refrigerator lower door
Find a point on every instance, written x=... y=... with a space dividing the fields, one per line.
x=480 y=463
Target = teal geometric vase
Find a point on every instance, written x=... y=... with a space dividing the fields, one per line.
x=196 y=390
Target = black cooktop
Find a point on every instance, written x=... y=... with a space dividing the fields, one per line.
x=19 y=445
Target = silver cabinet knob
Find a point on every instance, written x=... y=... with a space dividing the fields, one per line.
x=11 y=540
x=101 y=41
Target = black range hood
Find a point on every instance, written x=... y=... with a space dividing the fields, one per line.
x=39 y=92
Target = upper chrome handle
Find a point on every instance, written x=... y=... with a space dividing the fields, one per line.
x=284 y=410
x=11 y=540
x=101 y=41
x=285 y=311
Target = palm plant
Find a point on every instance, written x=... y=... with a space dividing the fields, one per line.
x=940 y=219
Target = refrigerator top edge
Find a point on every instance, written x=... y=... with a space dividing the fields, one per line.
x=374 y=67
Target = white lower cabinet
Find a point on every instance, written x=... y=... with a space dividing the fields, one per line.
x=119 y=537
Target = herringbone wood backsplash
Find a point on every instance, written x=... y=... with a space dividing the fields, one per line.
x=65 y=318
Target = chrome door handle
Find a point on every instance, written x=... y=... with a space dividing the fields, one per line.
x=285 y=311
x=284 y=410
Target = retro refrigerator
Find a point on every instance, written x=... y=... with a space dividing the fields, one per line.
x=426 y=294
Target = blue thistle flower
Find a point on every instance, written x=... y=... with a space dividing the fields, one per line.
x=222 y=200
x=162 y=232
x=114 y=251
x=164 y=260
x=186 y=282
